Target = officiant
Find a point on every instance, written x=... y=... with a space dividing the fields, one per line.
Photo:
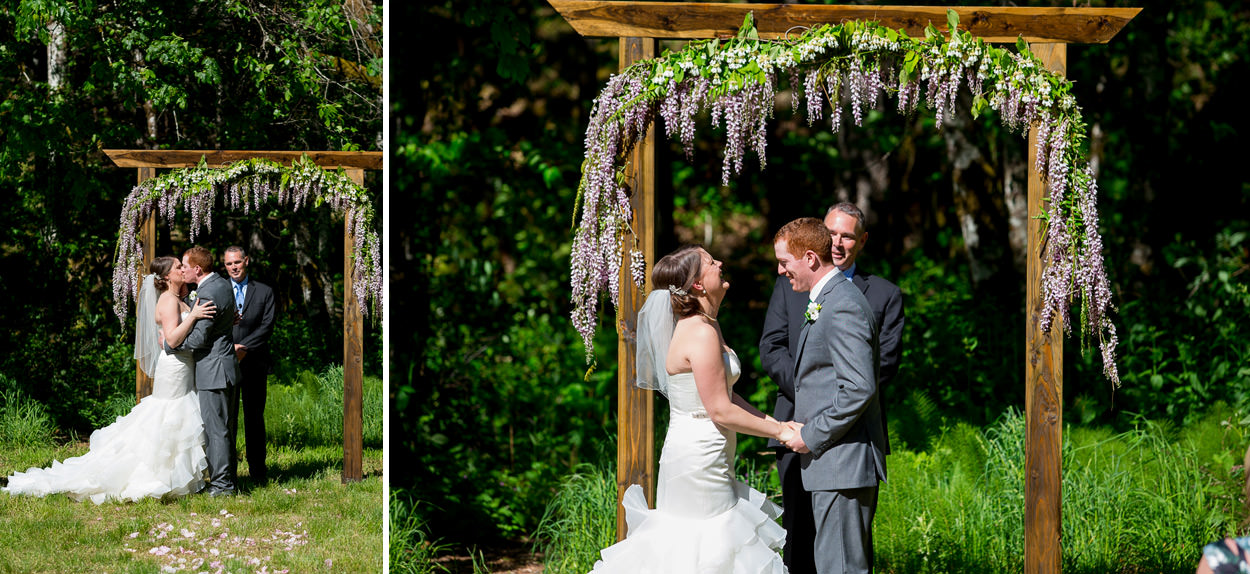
x=255 y=303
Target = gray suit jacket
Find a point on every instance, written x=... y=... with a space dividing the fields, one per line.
x=835 y=388
x=783 y=325
x=212 y=341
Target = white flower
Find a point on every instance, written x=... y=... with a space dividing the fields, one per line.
x=193 y=295
x=813 y=312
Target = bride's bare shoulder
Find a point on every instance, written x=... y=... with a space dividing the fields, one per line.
x=694 y=335
x=167 y=303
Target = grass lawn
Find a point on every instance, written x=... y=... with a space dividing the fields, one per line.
x=303 y=520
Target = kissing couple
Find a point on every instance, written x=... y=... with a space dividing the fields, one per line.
x=179 y=440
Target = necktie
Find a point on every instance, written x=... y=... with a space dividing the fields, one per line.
x=238 y=296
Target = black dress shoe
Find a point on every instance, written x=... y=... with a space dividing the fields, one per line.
x=220 y=492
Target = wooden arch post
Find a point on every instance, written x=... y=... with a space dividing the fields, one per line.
x=355 y=164
x=1049 y=30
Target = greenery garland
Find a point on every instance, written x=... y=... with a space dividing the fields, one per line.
x=851 y=63
x=247 y=185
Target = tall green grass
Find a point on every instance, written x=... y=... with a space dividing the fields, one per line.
x=579 y=521
x=1145 y=500
x=23 y=421
x=308 y=409
x=411 y=549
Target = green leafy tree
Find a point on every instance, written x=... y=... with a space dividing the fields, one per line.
x=80 y=77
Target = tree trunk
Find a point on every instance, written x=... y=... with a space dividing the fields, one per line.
x=56 y=55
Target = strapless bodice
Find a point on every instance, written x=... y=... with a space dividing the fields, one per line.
x=683 y=394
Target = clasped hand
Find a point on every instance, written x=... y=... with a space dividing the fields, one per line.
x=792 y=438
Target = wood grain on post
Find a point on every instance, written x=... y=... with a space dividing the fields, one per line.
x=685 y=20
x=216 y=158
x=1043 y=374
x=635 y=450
x=353 y=359
x=147 y=242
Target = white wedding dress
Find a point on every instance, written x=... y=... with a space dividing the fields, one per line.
x=156 y=450
x=705 y=520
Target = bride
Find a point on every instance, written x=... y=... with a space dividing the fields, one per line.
x=157 y=449
x=705 y=520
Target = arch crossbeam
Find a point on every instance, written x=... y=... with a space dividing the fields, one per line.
x=690 y=21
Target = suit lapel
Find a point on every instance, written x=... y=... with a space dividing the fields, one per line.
x=799 y=356
x=807 y=326
x=861 y=280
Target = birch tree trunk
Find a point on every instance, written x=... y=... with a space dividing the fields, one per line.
x=56 y=55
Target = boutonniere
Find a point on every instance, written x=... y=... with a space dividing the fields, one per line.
x=193 y=295
x=813 y=312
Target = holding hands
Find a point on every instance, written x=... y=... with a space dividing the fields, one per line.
x=791 y=437
x=795 y=443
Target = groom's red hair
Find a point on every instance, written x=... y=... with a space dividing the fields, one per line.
x=806 y=234
x=201 y=257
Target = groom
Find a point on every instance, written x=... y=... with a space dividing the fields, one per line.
x=842 y=441
x=216 y=369
x=779 y=343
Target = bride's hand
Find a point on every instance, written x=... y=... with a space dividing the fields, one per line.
x=203 y=309
x=785 y=434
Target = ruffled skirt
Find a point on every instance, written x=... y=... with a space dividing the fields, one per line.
x=706 y=522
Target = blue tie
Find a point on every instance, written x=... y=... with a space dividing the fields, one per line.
x=238 y=296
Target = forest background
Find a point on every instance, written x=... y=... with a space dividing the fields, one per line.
x=490 y=100
x=80 y=77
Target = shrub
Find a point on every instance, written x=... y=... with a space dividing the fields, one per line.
x=308 y=409
x=23 y=421
x=411 y=549
x=579 y=521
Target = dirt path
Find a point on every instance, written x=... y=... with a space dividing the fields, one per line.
x=506 y=558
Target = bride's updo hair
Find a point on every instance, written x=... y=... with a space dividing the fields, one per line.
x=160 y=267
x=677 y=272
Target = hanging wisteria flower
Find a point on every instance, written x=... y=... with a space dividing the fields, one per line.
x=735 y=82
x=249 y=184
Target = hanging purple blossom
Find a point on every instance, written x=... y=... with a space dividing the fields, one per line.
x=735 y=82
x=249 y=184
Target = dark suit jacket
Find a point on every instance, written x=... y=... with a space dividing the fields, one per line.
x=256 y=323
x=784 y=321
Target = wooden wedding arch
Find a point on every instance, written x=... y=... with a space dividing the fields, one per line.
x=354 y=165
x=639 y=25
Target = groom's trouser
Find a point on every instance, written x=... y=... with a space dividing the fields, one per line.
x=797 y=518
x=843 y=521
x=219 y=408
